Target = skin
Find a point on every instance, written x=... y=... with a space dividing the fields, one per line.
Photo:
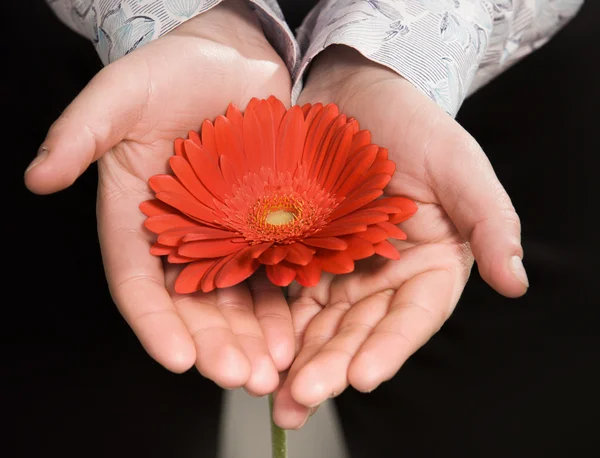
x=358 y=329
x=127 y=118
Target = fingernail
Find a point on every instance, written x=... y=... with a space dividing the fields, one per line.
x=516 y=265
x=42 y=155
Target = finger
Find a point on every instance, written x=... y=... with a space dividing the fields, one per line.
x=220 y=356
x=326 y=374
x=482 y=211
x=98 y=118
x=287 y=412
x=275 y=320
x=137 y=285
x=374 y=276
x=417 y=311
x=235 y=304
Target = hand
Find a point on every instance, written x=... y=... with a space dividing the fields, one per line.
x=358 y=329
x=127 y=118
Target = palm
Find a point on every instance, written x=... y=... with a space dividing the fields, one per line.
x=358 y=329
x=134 y=110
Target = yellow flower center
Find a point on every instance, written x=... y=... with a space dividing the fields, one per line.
x=280 y=217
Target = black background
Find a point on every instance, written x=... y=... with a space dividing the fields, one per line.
x=503 y=378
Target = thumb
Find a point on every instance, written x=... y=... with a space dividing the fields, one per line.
x=482 y=211
x=99 y=118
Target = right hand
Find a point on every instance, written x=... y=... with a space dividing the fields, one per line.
x=127 y=118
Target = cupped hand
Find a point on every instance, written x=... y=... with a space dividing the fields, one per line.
x=358 y=329
x=127 y=118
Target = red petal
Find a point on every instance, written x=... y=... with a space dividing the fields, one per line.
x=175 y=236
x=230 y=144
x=354 y=169
x=208 y=139
x=278 y=110
x=387 y=250
x=190 y=278
x=281 y=274
x=231 y=173
x=178 y=146
x=374 y=234
x=336 y=262
x=188 y=205
x=310 y=274
x=329 y=243
x=335 y=158
x=169 y=183
x=393 y=231
x=209 y=248
x=160 y=250
x=155 y=207
x=324 y=144
x=400 y=204
x=253 y=139
x=290 y=140
x=267 y=131
x=208 y=281
x=183 y=170
x=360 y=140
x=306 y=109
x=317 y=131
x=257 y=250
x=273 y=255
x=354 y=203
x=238 y=269
x=208 y=233
x=206 y=169
x=359 y=248
x=175 y=258
x=299 y=254
x=193 y=136
x=237 y=119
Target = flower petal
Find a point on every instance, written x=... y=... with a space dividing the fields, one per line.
x=273 y=255
x=290 y=140
x=190 y=278
x=310 y=274
x=281 y=274
x=230 y=144
x=354 y=169
x=360 y=140
x=373 y=234
x=351 y=204
x=359 y=248
x=299 y=254
x=208 y=233
x=238 y=269
x=316 y=131
x=174 y=236
x=319 y=158
x=336 y=157
x=236 y=117
x=336 y=262
x=159 y=249
x=387 y=250
x=208 y=139
x=188 y=205
x=155 y=207
x=329 y=243
x=176 y=258
x=184 y=172
x=208 y=281
x=393 y=231
x=209 y=248
x=207 y=169
x=178 y=146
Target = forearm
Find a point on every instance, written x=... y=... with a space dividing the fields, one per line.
x=118 y=27
x=447 y=48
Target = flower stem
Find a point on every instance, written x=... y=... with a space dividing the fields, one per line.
x=278 y=436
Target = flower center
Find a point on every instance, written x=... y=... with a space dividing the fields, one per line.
x=278 y=208
x=280 y=217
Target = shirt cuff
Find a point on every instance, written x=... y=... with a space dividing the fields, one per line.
x=435 y=44
x=118 y=27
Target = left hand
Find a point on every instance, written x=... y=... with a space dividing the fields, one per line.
x=358 y=329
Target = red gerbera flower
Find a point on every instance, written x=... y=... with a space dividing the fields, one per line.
x=295 y=190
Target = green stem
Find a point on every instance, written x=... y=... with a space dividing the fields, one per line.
x=278 y=436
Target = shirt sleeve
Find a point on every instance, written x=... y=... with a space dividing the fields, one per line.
x=117 y=27
x=446 y=48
